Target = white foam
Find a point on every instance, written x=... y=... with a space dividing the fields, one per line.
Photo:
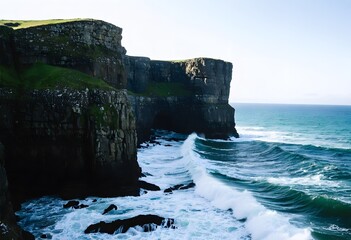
x=263 y=224
x=312 y=180
x=249 y=133
x=194 y=217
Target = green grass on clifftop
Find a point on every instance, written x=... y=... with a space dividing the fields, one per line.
x=17 y=24
x=43 y=76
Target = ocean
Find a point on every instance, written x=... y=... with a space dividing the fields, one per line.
x=288 y=176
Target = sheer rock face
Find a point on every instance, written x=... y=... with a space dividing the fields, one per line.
x=91 y=46
x=69 y=142
x=8 y=227
x=202 y=107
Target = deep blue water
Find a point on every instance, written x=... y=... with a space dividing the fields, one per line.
x=287 y=177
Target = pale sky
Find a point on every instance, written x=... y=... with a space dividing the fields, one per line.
x=283 y=51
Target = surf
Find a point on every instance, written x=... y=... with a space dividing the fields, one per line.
x=262 y=223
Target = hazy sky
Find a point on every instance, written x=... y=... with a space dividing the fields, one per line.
x=283 y=51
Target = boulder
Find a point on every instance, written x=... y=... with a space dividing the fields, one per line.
x=109 y=208
x=147 y=222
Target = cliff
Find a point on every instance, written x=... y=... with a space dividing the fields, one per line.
x=91 y=46
x=183 y=96
x=69 y=142
x=66 y=127
x=69 y=127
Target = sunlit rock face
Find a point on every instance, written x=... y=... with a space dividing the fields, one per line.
x=91 y=46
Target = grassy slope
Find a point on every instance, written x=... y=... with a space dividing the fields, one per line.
x=43 y=76
x=33 y=23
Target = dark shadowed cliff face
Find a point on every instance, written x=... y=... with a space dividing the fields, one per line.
x=8 y=227
x=184 y=96
x=69 y=142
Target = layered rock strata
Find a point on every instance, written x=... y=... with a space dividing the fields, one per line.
x=193 y=96
x=69 y=142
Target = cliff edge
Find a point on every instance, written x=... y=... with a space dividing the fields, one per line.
x=183 y=96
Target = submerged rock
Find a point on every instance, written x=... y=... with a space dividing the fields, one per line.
x=70 y=204
x=122 y=226
x=75 y=204
x=148 y=186
x=179 y=187
x=110 y=208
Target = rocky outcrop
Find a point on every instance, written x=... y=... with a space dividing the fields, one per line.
x=193 y=96
x=91 y=46
x=147 y=223
x=69 y=142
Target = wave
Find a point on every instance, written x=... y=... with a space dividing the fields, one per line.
x=249 y=133
x=261 y=222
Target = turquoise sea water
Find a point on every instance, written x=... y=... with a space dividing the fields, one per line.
x=287 y=177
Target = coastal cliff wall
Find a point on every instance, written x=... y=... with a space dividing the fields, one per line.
x=69 y=142
x=184 y=96
x=66 y=132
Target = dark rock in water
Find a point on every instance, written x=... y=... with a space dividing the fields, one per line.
x=110 y=208
x=145 y=174
x=94 y=200
x=27 y=235
x=122 y=226
x=81 y=206
x=72 y=204
x=168 y=145
x=46 y=236
x=148 y=186
x=179 y=187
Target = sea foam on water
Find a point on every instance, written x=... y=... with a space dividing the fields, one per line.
x=263 y=224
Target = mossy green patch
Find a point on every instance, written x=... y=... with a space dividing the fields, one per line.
x=18 y=24
x=8 y=77
x=43 y=76
x=164 y=89
x=105 y=115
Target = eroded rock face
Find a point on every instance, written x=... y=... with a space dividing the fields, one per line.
x=6 y=40
x=70 y=142
x=201 y=105
x=8 y=227
x=91 y=46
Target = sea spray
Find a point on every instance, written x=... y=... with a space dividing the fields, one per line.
x=263 y=224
